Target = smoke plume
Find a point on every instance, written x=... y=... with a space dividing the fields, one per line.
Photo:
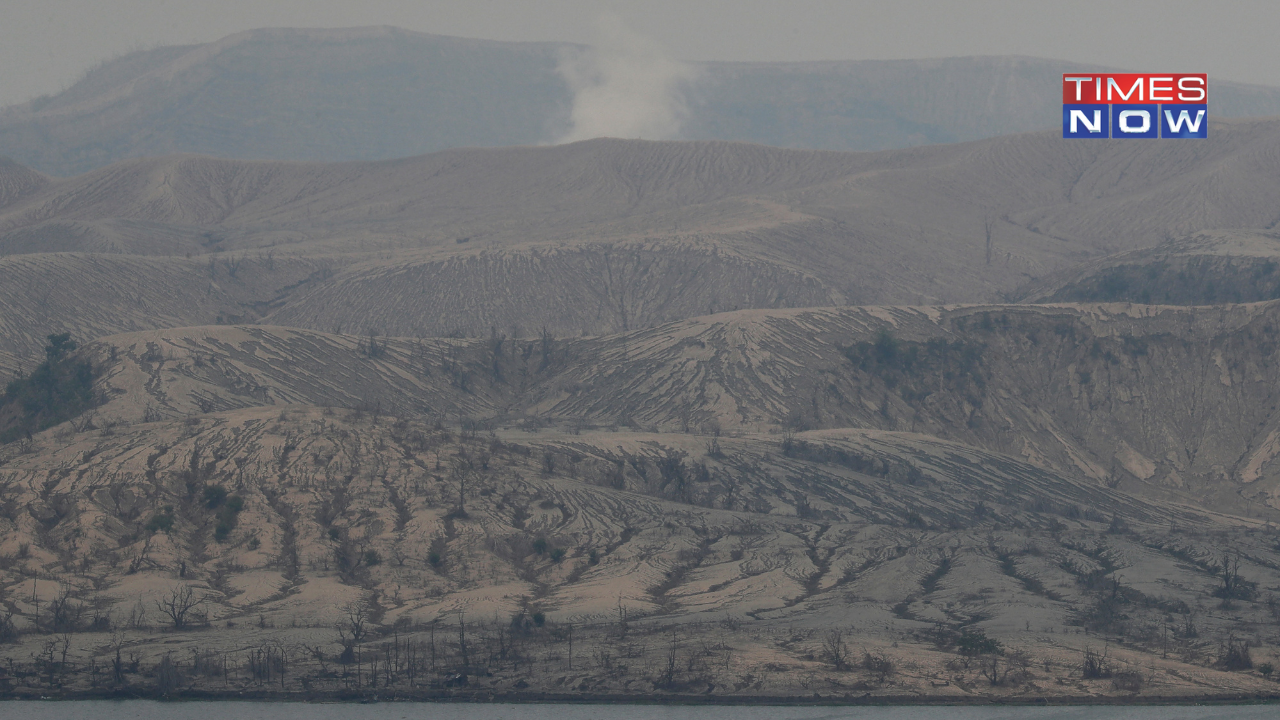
x=626 y=86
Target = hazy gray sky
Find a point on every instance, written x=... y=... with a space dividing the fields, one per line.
x=45 y=45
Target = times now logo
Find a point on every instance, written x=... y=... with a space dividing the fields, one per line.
x=1135 y=105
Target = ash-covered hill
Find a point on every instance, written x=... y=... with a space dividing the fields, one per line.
x=17 y=181
x=600 y=236
x=1166 y=402
x=377 y=93
x=1206 y=268
x=325 y=539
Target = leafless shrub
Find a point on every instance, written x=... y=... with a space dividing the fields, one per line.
x=1234 y=655
x=878 y=665
x=1127 y=680
x=1095 y=664
x=1233 y=586
x=101 y=621
x=65 y=613
x=167 y=677
x=137 y=617
x=994 y=669
x=233 y=264
x=8 y=632
x=371 y=347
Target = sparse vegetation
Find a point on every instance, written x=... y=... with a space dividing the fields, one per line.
x=1233 y=654
x=1233 y=586
x=227 y=509
x=58 y=389
x=973 y=642
x=917 y=370
x=878 y=665
x=1128 y=680
x=1095 y=664
x=161 y=521
x=1204 y=280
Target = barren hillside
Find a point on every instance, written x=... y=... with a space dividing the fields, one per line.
x=1205 y=268
x=623 y=417
x=611 y=235
x=89 y=294
x=1169 y=402
x=304 y=530
x=17 y=181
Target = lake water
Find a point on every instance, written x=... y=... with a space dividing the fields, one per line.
x=150 y=710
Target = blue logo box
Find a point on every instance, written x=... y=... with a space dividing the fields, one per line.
x=1086 y=121
x=1135 y=121
x=1184 y=121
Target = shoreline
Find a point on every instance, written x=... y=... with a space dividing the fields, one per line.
x=488 y=698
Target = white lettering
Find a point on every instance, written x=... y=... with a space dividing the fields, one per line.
x=1077 y=81
x=1158 y=88
x=1199 y=91
x=1112 y=84
x=1184 y=117
x=1127 y=128
x=1078 y=116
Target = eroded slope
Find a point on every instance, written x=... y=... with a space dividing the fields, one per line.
x=1170 y=401
x=285 y=522
x=608 y=235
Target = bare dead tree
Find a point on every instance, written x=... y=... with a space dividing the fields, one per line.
x=878 y=665
x=1234 y=587
x=547 y=346
x=65 y=613
x=463 y=474
x=668 y=678
x=178 y=604
x=988 y=224
x=622 y=619
x=462 y=640
x=994 y=668
x=352 y=629
x=835 y=650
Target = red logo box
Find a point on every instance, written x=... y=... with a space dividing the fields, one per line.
x=1135 y=88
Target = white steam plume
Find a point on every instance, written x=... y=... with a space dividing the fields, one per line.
x=626 y=86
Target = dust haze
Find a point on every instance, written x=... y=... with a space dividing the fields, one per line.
x=625 y=86
x=328 y=377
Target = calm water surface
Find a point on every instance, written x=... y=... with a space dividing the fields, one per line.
x=149 y=710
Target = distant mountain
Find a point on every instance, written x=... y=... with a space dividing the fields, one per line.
x=882 y=104
x=378 y=93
